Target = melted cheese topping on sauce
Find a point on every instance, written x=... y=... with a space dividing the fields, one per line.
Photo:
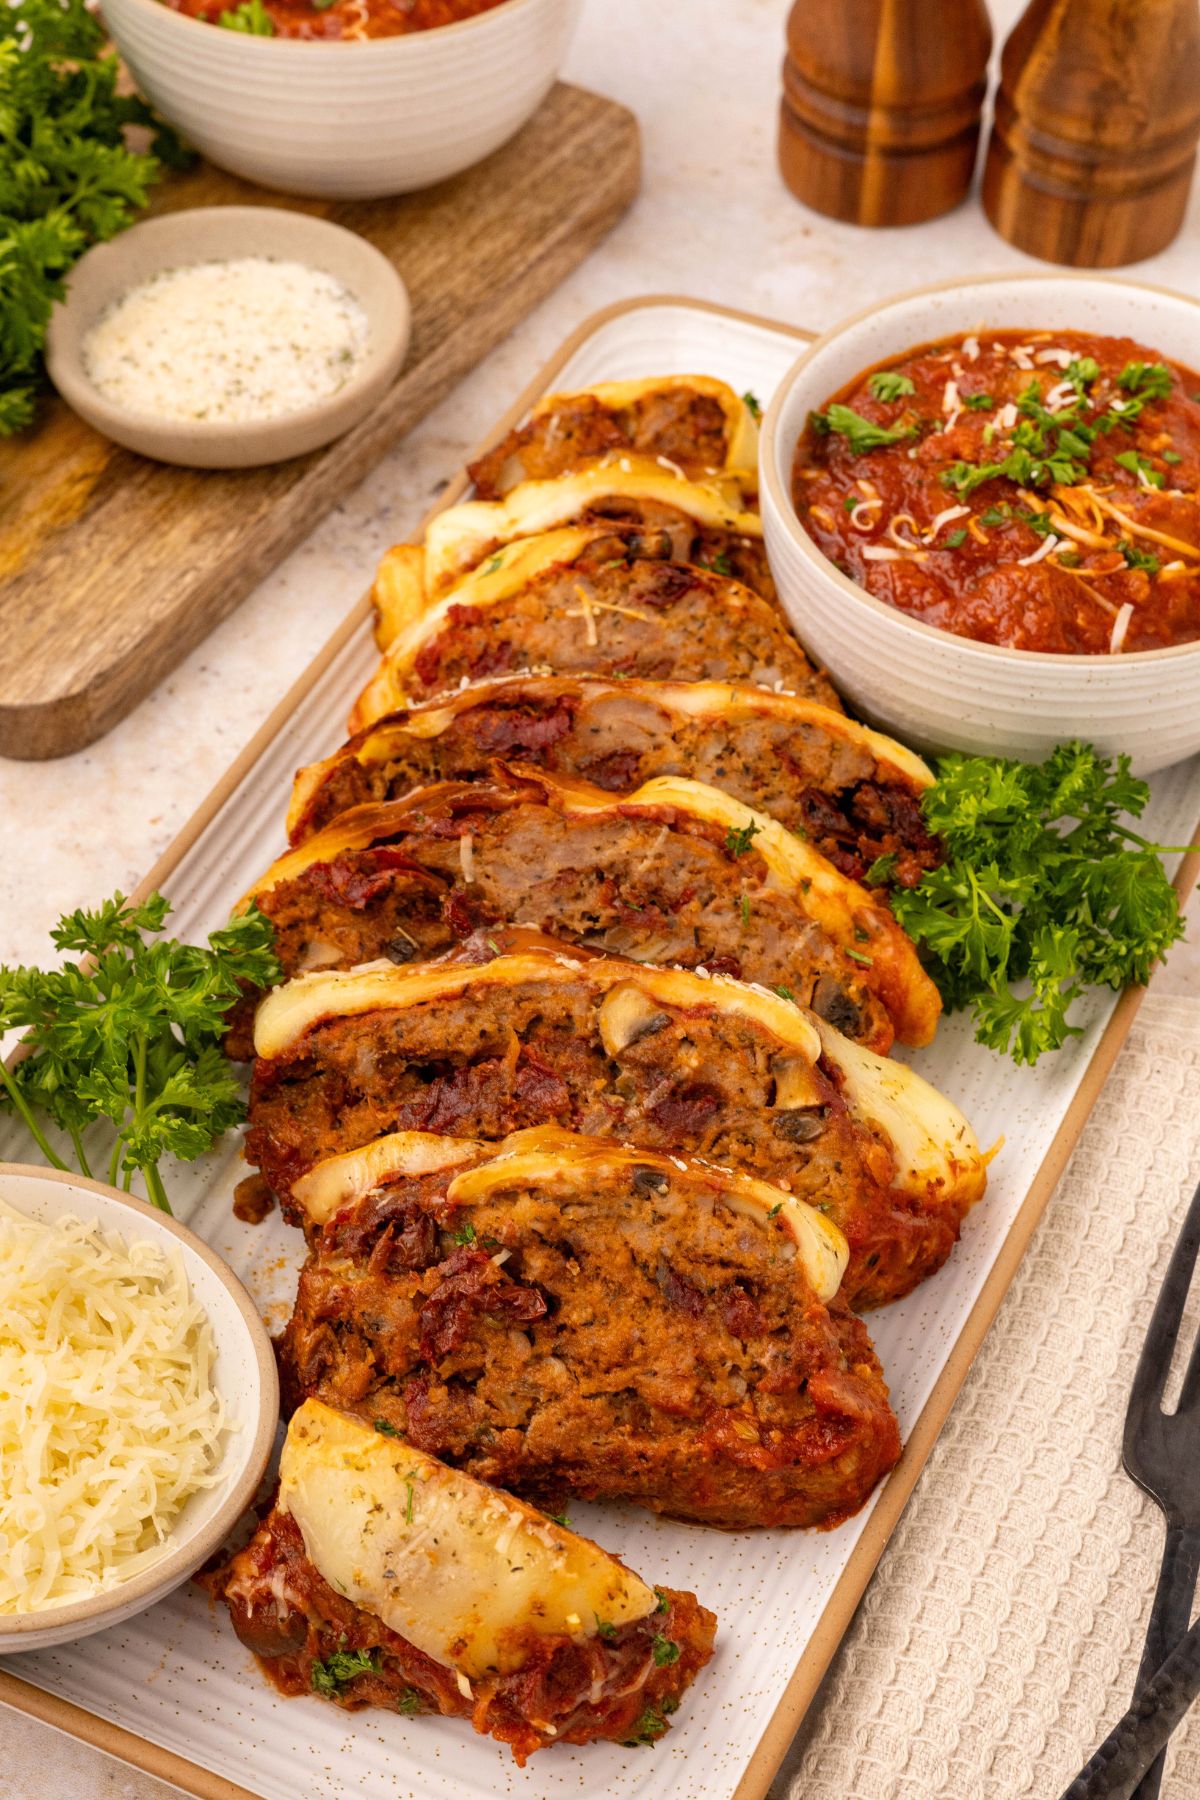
x=108 y=1416
x=247 y=338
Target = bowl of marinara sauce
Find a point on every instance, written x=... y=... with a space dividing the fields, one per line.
x=982 y=509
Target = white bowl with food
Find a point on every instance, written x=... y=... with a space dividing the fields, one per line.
x=227 y=337
x=138 y=1405
x=1085 y=540
x=344 y=116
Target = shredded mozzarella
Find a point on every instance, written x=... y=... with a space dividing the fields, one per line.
x=944 y=517
x=1044 y=548
x=466 y=856
x=970 y=349
x=109 y=1419
x=249 y=338
x=1120 y=627
x=1061 y=357
x=950 y=397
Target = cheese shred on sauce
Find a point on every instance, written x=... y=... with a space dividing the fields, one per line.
x=108 y=1416
x=245 y=339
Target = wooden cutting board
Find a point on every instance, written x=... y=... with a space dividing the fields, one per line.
x=112 y=567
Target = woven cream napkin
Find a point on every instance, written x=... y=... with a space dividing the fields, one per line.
x=1000 y=1637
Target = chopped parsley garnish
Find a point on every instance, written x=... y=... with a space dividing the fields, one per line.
x=332 y=1676
x=384 y=1429
x=785 y=993
x=648 y=1729
x=1082 y=371
x=1148 y=381
x=978 y=402
x=605 y=1629
x=773 y=1211
x=664 y=1603
x=996 y=515
x=493 y=563
x=882 y=869
x=1141 y=467
x=868 y=962
x=409 y=1701
x=956 y=538
x=753 y=404
x=719 y=564
x=465 y=1233
x=850 y=502
x=666 y=1651
x=861 y=434
x=251 y=16
x=738 y=839
x=1045 y=892
x=1138 y=559
x=889 y=384
x=1172 y=457
x=560 y=1519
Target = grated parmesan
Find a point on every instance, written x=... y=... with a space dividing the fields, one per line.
x=248 y=338
x=108 y=1416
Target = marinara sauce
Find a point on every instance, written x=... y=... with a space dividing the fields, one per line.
x=1036 y=489
x=334 y=18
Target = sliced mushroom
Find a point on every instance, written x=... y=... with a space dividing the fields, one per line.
x=626 y=1015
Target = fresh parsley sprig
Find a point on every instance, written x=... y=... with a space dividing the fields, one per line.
x=1045 y=892
x=860 y=434
x=67 y=177
x=131 y=1034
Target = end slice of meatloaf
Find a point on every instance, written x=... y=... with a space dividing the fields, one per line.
x=567 y=1316
x=696 y=425
x=675 y=872
x=573 y=602
x=607 y=1047
x=533 y=1633
x=854 y=794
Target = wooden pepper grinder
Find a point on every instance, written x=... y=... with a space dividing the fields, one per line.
x=881 y=106
x=1097 y=119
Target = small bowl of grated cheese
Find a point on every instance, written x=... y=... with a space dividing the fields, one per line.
x=227 y=337
x=138 y=1405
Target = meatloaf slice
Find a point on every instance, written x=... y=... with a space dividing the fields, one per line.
x=675 y=872
x=574 y=602
x=381 y=1578
x=695 y=425
x=853 y=793
x=653 y=1057
x=567 y=1316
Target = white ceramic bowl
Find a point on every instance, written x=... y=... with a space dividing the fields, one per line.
x=932 y=689
x=212 y=234
x=244 y=1373
x=353 y=118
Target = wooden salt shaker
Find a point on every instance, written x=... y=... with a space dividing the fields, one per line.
x=1097 y=119
x=881 y=105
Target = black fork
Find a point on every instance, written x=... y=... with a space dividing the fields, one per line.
x=1162 y=1453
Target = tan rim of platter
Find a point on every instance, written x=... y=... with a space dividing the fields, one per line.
x=117 y=1741
x=214 y=1533
x=860 y=596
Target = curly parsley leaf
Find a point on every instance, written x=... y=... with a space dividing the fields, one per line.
x=889 y=384
x=132 y=1034
x=67 y=176
x=1045 y=892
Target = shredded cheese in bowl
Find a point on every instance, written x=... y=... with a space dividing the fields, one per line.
x=109 y=1419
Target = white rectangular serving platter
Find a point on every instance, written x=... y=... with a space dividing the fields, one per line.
x=174 y=1692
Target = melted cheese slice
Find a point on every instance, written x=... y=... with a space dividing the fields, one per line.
x=549 y=1157
x=936 y=1152
x=457 y=1568
x=462 y=536
x=295 y=1007
x=741 y=429
x=731 y=703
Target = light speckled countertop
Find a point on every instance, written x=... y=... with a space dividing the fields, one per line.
x=713 y=220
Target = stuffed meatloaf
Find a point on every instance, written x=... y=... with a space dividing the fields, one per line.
x=675 y=872
x=381 y=1578
x=583 y=602
x=852 y=793
x=711 y=521
x=570 y=1317
x=603 y=1046
x=691 y=424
